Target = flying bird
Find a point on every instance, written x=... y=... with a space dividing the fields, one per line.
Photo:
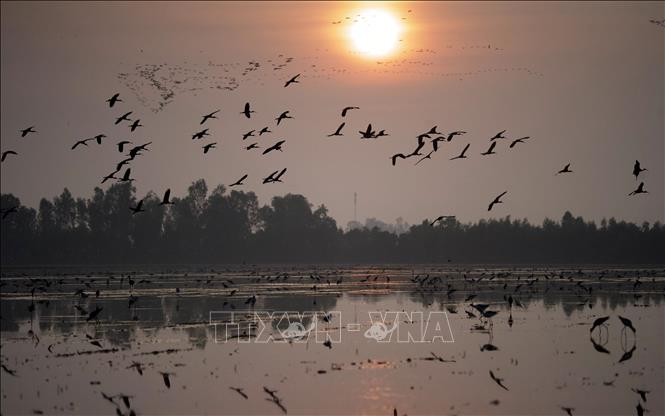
x=165 y=199
x=338 y=132
x=167 y=380
x=239 y=181
x=99 y=138
x=80 y=142
x=520 y=140
x=247 y=112
x=121 y=145
x=200 y=134
x=367 y=134
x=499 y=135
x=440 y=218
x=639 y=190
x=435 y=142
x=208 y=147
x=252 y=146
x=497 y=380
x=124 y=117
x=239 y=391
x=637 y=169
x=293 y=80
x=248 y=134
x=6 y=153
x=398 y=155
x=27 y=131
x=276 y=146
x=282 y=116
x=272 y=178
x=433 y=131
x=490 y=150
x=427 y=156
x=138 y=208
x=462 y=155
x=347 y=109
x=264 y=130
x=209 y=116
x=125 y=177
x=136 y=124
x=114 y=99
x=566 y=169
x=453 y=134
x=497 y=200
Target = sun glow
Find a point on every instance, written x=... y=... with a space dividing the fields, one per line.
x=375 y=32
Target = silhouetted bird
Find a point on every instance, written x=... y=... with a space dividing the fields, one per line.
x=264 y=130
x=122 y=163
x=200 y=134
x=138 y=208
x=497 y=380
x=27 y=131
x=435 y=142
x=121 y=145
x=247 y=112
x=499 y=135
x=136 y=124
x=627 y=323
x=440 y=218
x=114 y=99
x=598 y=322
x=463 y=154
x=453 y=134
x=367 y=134
x=637 y=169
x=239 y=391
x=639 y=190
x=209 y=116
x=293 y=80
x=253 y=146
x=420 y=145
x=398 y=155
x=124 y=117
x=282 y=116
x=167 y=380
x=427 y=156
x=248 y=134
x=566 y=169
x=6 y=153
x=272 y=178
x=497 y=200
x=81 y=142
x=276 y=146
x=338 y=132
x=239 y=181
x=125 y=177
x=347 y=109
x=490 y=150
x=109 y=176
x=165 y=199
x=433 y=131
x=520 y=140
x=208 y=147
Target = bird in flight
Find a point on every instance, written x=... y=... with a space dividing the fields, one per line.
x=125 y=177
x=239 y=391
x=121 y=145
x=273 y=178
x=247 y=112
x=264 y=130
x=27 y=131
x=639 y=190
x=99 y=138
x=566 y=169
x=208 y=147
x=497 y=200
x=347 y=109
x=252 y=146
x=381 y=133
x=124 y=117
x=462 y=155
x=200 y=134
x=398 y=155
x=165 y=199
x=136 y=124
x=248 y=134
x=109 y=176
x=499 y=135
x=209 y=116
x=427 y=156
x=81 y=142
x=283 y=116
x=497 y=380
x=520 y=140
x=276 y=146
x=421 y=144
x=435 y=142
x=138 y=208
x=293 y=80
x=490 y=150
x=338 y=132
x=453 y=134
x=6 y=153
x=637 y=169
x=441 y=218
x=368 y=134
x=239 y=181
x=114 y=99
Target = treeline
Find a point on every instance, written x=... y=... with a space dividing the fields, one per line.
x=222 y=227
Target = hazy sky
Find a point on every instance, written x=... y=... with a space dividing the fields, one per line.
x=584 y=80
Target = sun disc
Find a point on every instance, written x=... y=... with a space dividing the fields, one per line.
x=375 y=33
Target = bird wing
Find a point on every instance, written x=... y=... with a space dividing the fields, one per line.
x=167 y=195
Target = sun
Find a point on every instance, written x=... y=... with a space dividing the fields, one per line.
x=375 y=32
